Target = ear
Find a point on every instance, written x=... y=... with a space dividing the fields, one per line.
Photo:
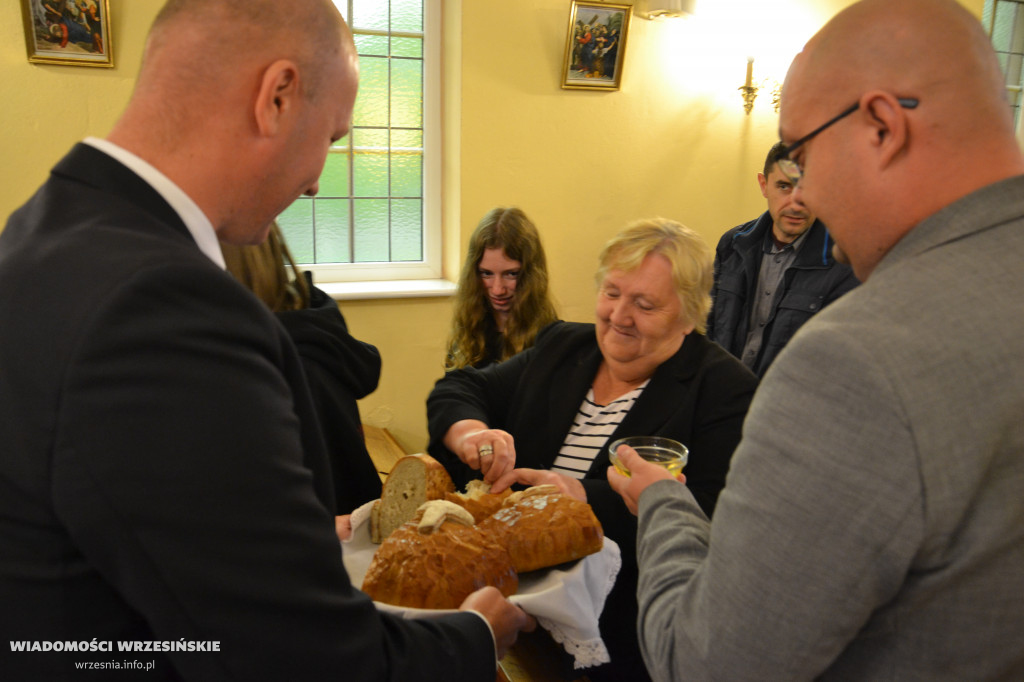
x=888 y=123
x=278 y=96
x=763 y=182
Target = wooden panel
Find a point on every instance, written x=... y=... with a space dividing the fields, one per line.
x=536 y=657
x=383 y=448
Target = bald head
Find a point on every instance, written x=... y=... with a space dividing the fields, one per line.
x=239 y=102
x=199 y=45
x=929 y=48
x=874 y=175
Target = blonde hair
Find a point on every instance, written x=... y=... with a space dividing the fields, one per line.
x=262 y=269
x=510 y=230
x=691 y=258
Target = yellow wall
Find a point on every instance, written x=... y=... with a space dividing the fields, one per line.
x=674 y=141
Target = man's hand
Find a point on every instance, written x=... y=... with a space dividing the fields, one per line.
x=567 y=485
x=506 y=618
x=643 y=474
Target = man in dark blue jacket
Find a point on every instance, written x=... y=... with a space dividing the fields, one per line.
x=772 y=274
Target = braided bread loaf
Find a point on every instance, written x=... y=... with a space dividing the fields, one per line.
x=478 y=500
x=437 y=560
x=541 y=527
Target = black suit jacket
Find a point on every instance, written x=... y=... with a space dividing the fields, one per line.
x=161 y=475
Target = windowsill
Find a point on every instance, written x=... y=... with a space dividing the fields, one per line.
x=409 y=288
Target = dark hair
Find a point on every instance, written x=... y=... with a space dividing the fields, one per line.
x=778 y=151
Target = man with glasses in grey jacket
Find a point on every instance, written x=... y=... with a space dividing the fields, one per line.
x=872 y=525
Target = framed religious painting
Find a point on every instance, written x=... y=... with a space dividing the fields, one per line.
x=69 y=32
x=595 y=48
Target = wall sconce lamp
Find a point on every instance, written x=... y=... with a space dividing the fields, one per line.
x=651 y=9
x=749 y=90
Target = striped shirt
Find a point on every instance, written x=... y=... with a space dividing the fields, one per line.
x=593 y=425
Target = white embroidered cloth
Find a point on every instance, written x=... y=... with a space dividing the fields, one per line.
x=566 y=600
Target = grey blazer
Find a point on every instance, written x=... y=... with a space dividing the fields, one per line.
x=872 y=525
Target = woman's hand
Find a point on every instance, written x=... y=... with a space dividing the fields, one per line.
x=492 y=452
x=567 y=485
x=642 y=474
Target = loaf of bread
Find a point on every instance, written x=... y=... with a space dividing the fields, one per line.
x=478 y=500
x=540 y=527
x=437 y=560
x=413 y=480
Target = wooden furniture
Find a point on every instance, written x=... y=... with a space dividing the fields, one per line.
x=535 y=657
x=383 y=448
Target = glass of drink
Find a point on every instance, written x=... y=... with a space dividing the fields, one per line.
x=665 y=452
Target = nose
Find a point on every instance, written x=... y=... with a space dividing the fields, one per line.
x=496 y=286
x=619 y=314
x=798 y=195
x=313 y=189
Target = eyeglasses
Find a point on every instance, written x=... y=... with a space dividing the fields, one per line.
x=792 y=170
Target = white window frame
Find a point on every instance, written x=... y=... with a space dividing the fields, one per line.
x=1013 y=91
x=421 y=278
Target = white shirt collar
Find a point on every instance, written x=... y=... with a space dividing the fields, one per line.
x=195 y=220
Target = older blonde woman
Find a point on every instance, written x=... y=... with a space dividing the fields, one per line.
x=645 y=368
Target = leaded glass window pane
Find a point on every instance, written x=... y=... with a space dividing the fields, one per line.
x=370 y=205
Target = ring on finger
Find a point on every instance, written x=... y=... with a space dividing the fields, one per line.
x=485 y=450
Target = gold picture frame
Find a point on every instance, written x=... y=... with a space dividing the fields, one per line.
x=595 y=48
x=68 y=32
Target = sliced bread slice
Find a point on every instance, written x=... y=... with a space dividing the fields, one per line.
x=413 y=480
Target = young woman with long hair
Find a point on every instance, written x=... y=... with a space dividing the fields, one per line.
x=502 y=299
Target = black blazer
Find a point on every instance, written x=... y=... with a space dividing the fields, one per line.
x=698 y=397
x=161 y=475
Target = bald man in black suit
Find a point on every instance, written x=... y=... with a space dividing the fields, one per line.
x=162 y=477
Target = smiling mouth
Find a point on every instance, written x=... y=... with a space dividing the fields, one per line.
x=500 y=302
